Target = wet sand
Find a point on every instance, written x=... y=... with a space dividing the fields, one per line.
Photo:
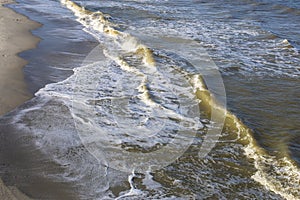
x=15 y=37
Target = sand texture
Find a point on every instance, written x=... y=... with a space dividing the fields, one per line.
x=15 y=37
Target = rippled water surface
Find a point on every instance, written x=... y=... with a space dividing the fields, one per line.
x=179 y=100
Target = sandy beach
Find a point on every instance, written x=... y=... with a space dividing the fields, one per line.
x=15 y=37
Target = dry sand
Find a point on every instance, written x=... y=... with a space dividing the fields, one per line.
x=15 y=37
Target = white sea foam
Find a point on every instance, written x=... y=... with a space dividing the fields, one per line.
x=144 y=96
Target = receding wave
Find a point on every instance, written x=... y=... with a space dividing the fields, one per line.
x=278 y=174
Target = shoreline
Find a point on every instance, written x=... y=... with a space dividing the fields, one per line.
x=15 y=37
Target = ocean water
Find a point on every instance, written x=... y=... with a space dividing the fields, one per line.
x=158 y=100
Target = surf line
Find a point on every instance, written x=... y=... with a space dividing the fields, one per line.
x=285 y=168
x=99 y=22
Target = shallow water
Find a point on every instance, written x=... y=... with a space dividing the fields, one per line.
x=151 y=99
